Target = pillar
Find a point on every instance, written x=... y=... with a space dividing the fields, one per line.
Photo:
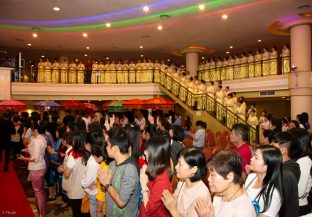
x=5 y=83
x=299 y=81
x=192 y=63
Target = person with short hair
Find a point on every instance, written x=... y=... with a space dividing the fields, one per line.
x=225 y=181
x=303 y=158
x=239 y=138
x=121 y=183
x=199 y=135
x=291 y=173
x=190 y=170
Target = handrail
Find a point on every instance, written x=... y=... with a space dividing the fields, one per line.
x=273 y=66
x=133 y=75
x=206 y=103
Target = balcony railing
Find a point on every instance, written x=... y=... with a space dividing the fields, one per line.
x=276 y=66
x=121 y=76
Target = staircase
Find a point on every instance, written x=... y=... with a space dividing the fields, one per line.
x=207 y=105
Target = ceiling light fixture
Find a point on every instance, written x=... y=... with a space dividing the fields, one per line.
x=35 y=35
x=203 y=58
x=76 y=60
x=168 y=60
x=107 y=58
x=29 y=44
x=141 y=47
x=231 y=47
x=56 y=9
x=201 y=7
x=85 y=34
x=86 y=55
x=88 y=48
x=224 y=16
x=159 y=27
x=259 y=40
x=42 y=56
x=227 y=52
x=145 y=8
x=142 y=55
x=107 y=25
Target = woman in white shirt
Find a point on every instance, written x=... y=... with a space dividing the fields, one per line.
x=37 y=166
x=264 y=186
x=224 y=179
x=303 y=158
x=190 y=170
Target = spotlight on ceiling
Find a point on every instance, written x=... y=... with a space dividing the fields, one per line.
x=201 y=7
x=141 y=46
x=107 y=25
x=88 y=48
x=86 y=55
x=224 y=16
x=159 y=27
x=231 y=47
x=29 y=44
x=85 y=34
x=259 y=40
x=142 y=55
x=56 y=8
x=35 y=35
x=145 y=8
x=227 y=52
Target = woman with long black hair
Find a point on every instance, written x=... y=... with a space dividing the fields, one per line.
x=264 y=186
x=155 y=177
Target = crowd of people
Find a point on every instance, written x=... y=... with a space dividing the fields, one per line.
x=261 y=63
x=138 y=166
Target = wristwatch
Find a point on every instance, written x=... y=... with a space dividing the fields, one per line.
x=107 y=187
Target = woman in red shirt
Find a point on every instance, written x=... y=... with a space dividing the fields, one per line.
x=154 y=177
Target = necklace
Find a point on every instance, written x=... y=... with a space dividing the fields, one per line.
x=232 y=195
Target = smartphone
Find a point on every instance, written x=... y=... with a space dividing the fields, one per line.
x=149 y=112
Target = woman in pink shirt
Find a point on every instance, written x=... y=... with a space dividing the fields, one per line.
x=37 y=166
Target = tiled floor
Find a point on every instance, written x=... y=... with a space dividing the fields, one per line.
x=22 y=174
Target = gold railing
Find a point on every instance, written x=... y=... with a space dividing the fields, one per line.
x=205 y=102
x=276 y=66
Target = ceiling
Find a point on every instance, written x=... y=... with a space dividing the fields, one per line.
x=60 y=33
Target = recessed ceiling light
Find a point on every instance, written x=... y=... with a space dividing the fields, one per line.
x=201 y=7
x=227 y=52
x=283 y=97
x=224 y=16
x=182 y=66
x=29 y=44
x=145 y=8
x=85 y=34
x=159 y=27
x=88 y=48
x=42 y=56
x=141 y=47
x=86 y=55
x=168 y=60
x=231 y=47
x=35 y=35
x=259 y=40
x=107 y=58
x=76 y=60
x=203 y=58
x=56 y=8
x=107 y=25
x=142 y=55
